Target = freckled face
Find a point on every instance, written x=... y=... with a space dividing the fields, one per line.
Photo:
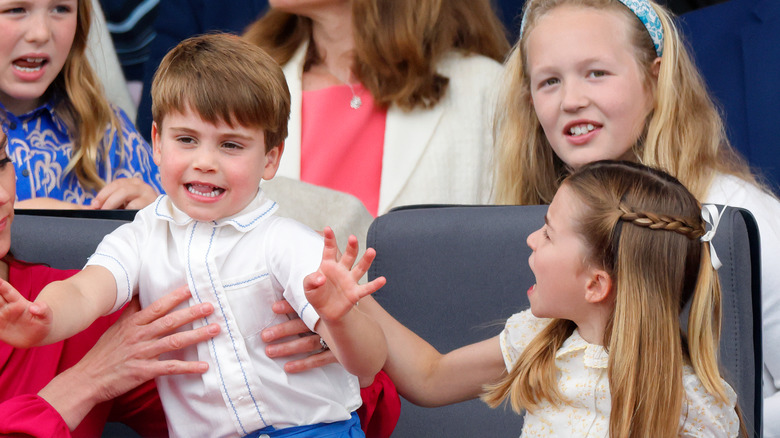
x=211 y=171
x=587 y=88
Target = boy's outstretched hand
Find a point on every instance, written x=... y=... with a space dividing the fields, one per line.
x=333 y=290
x=23 y=324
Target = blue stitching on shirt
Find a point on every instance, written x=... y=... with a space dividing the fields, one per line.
x=127 y=277
x=245 y=281
x=232 y=339
x=255 y=219
x=211 y=341
x=157 y=211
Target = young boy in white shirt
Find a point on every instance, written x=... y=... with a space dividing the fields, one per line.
x=220 y=108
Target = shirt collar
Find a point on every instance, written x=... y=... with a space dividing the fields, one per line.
x=48 y=108
x=260 y=208
x=594 y=356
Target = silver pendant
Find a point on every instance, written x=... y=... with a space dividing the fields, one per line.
x=355 y=102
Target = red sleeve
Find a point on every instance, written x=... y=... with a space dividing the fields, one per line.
x=30 y=415
x=381 y=407
x=141 y=410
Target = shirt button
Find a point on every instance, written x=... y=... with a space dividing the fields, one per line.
x=25 y=173
x=264 y=436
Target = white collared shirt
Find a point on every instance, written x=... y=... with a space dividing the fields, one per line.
x=583 y=382
x=242 y=265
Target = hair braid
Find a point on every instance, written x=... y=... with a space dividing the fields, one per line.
x=661 y=222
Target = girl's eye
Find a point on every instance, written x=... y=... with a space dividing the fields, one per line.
x=549 y=82
x=62 y=9
x=597 y=73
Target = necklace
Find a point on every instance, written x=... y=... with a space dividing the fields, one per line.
x=356 y=101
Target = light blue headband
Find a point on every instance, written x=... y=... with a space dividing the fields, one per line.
x=646 y=14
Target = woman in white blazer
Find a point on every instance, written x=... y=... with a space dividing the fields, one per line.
x=428 y=68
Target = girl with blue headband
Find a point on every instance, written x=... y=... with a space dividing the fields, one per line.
x=608 y=79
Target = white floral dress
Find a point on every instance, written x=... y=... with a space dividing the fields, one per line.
x=583 y=382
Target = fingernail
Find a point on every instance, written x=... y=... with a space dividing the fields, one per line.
x=271 y=350
x=213 y=329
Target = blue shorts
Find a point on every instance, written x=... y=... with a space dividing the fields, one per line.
x=341 y=429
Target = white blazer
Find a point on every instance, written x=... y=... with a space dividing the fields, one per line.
x=437 y=155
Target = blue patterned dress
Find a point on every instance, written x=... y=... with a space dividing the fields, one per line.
x=40 y=148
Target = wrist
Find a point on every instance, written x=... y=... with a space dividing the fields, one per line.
x=72 y=394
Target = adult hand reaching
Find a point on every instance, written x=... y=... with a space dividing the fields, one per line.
x=285 y=340
x=128 y=354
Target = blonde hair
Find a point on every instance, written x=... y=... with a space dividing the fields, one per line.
x=684 y=133
x=221 y=77
x=642 y=227
x=86 y=111
x=398 y=43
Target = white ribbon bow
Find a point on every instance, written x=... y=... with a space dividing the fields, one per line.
x=711 y=216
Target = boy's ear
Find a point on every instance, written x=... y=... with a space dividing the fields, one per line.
x=272 y=159
x=156 y=153
x=599 y=287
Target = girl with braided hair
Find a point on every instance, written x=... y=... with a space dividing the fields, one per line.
x=619 y=253
x=596 y=80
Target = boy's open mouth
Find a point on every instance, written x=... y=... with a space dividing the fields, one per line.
x=204 y=190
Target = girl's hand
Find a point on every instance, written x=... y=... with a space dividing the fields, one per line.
x=334 y=290
x=291 y=342
x=23 y=323
x=124 y=193
x=128 y=354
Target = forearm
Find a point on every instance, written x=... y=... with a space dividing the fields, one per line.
x=357 y=341
x=426 y=377
x=75 y=303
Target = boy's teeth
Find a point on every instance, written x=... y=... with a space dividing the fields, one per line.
x=581 y=129
x=204 y=190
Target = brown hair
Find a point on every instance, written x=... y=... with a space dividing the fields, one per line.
x=398 y=43
x=683 y=135
x=86 y=111
x=223 y=78
x=642 y=227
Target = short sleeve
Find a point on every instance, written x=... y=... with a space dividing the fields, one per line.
x=703 y=415
x=294 y=251
x=120 y=253
x=520 y=329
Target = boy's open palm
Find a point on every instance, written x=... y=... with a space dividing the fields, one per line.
x=333 y=290
x=23 y=324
